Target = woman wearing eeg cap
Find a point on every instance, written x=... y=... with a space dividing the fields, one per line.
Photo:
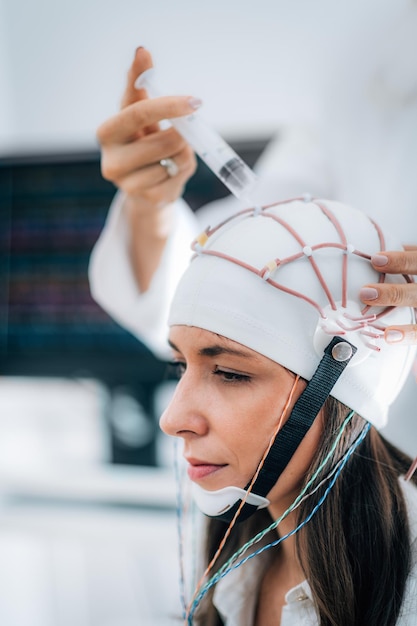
x=286 y=379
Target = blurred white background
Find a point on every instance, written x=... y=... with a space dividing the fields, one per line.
x=83 y=544
x=255 y=65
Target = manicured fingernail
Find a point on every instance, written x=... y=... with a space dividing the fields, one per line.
x=195 y=103
x=368 y=293
x=379 y=260
x=393 y=336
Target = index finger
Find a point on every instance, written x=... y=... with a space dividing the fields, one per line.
x=142 y=61
x=396 y=261
x=406 y=335
x=124 y=126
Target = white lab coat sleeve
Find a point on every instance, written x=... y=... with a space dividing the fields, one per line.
x=112 y=281
x=292 y=164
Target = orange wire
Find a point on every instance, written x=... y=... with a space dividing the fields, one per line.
x=411 y=470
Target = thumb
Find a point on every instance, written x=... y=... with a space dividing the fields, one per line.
x=142 y=61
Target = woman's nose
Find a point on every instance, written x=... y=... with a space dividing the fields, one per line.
x=184 y=416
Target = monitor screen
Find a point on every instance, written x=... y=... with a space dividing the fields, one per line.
x=52 y=212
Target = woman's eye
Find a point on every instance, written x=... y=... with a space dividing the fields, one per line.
x=231 y=377
x=177 y=368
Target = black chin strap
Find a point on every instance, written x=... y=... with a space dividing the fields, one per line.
x=337 y=356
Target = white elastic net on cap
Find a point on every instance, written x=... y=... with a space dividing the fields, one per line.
x=367 y=324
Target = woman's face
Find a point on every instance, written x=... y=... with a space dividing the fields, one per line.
x=226 y=407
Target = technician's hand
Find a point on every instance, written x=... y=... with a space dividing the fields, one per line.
x=150 y=165
x=394 y=294
x=133 y=145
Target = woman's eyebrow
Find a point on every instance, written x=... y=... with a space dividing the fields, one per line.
x=217 y=350
x=173 y=346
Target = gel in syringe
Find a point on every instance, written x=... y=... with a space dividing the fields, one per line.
x=208 y=144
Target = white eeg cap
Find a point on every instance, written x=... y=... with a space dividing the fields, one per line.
x=315 y=298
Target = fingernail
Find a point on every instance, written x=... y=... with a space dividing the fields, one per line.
x=368 y=293
x=379 y=260
x=195 y=103
x=393 y=336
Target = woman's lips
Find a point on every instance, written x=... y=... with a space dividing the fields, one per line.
x=200 y=469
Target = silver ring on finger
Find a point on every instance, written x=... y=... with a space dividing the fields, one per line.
x=170 y=167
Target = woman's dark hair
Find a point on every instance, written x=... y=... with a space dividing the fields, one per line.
x=355 y=551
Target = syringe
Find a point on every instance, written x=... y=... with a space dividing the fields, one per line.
x=208 y=144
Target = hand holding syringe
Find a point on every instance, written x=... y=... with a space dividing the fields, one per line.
x=208 y=144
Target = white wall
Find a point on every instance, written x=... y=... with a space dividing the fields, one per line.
x=6 y=118
x=63 y=64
